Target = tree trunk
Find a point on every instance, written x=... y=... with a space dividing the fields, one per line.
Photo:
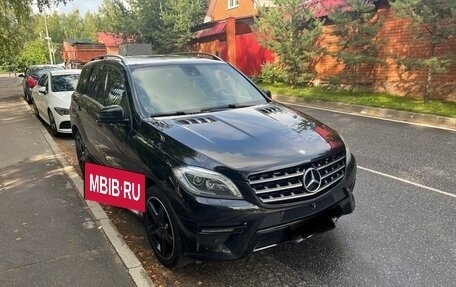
x=427 y=91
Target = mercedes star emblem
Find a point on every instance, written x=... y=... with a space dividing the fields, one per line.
x=312 y=180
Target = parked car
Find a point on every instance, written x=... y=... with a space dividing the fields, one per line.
x=228 y=170
x=51 y=98
x=31 y=76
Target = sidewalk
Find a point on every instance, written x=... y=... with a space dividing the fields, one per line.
x=48 y=236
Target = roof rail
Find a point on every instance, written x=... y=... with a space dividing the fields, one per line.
x=200 y=54
x=117 y=57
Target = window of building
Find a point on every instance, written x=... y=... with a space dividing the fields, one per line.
x=233 y=4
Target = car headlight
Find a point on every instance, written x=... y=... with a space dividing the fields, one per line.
x=62 y=111
x=348 y=154
x=203 y=182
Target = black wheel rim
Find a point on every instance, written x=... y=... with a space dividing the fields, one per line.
x=52 y=122
x=80 y=152
x=159 y=228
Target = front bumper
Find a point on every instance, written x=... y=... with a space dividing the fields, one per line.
x=216 y=229
x=63 y=123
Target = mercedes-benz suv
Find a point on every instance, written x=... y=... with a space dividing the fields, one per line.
x=228 y=170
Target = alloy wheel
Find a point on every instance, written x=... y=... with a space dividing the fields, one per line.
x=81 y=151
x=159 y=228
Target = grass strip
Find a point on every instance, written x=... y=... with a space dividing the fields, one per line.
x=381 y=100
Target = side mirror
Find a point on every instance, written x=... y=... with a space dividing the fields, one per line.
x=268 y=93
x=111 y=114
x=42 y=90
x=21 y=75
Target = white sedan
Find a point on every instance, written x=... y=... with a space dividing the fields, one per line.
x=52 y=97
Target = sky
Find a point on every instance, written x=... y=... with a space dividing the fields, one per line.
x=82 y=5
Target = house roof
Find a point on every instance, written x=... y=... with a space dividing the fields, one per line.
x=217 y=28
x=325 y=7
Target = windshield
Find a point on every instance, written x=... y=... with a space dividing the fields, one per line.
x=186 y=88
x=64 y=83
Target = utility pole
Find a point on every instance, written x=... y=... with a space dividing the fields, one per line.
x=48 y=39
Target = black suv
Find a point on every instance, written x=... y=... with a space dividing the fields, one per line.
x=228 y=170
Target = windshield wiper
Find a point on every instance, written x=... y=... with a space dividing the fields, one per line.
x=222 y=108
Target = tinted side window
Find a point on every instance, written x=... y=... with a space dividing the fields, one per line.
x=43 y=80
x=115 y=86
x=96 y=83
x=84 y=79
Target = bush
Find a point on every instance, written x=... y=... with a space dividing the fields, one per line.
x=273 y=73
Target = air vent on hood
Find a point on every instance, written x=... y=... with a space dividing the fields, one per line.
x=270 y=110
x=197 y=120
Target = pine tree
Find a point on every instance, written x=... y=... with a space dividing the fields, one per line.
x=433 y=22
x=291 y=31
x=355 y=24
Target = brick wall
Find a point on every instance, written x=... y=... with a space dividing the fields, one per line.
x=399 y=40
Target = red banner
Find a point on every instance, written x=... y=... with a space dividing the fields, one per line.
x=115 y=187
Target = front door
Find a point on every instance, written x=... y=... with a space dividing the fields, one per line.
x=114 y=139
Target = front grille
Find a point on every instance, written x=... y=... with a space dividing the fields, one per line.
x=286 y=185
x=65 y=125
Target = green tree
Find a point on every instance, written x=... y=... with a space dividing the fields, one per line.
x=433 y=22
x=291 y=31
x=11 y=35
x=356 y=25
x=14 y=15
x=166 y=23
x=122 y=20
x=177 y=18
x=34 y=52
x=62 y=27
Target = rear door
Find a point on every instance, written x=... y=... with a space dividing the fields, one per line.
x=86 y=101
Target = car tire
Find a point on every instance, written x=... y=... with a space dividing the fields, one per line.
x=28 y=98
x=82 y=153
x=162 y=230
x=53 y=125
x=35 y=108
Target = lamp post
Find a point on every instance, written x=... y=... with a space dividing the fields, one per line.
x=48 y=39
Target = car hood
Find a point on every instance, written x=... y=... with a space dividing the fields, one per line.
x=61 y=99
x=250 y=139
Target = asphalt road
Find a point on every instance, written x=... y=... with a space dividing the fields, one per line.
x=402 y=232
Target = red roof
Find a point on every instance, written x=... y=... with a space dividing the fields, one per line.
x=218 y=28
x=109 y=39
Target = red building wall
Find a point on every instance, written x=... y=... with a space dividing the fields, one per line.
x=250 y=55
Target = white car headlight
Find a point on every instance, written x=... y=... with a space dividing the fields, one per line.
x=203 y=182
x=62 y=111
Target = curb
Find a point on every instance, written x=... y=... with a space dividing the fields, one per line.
x=134 y=266
x=381 y=113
